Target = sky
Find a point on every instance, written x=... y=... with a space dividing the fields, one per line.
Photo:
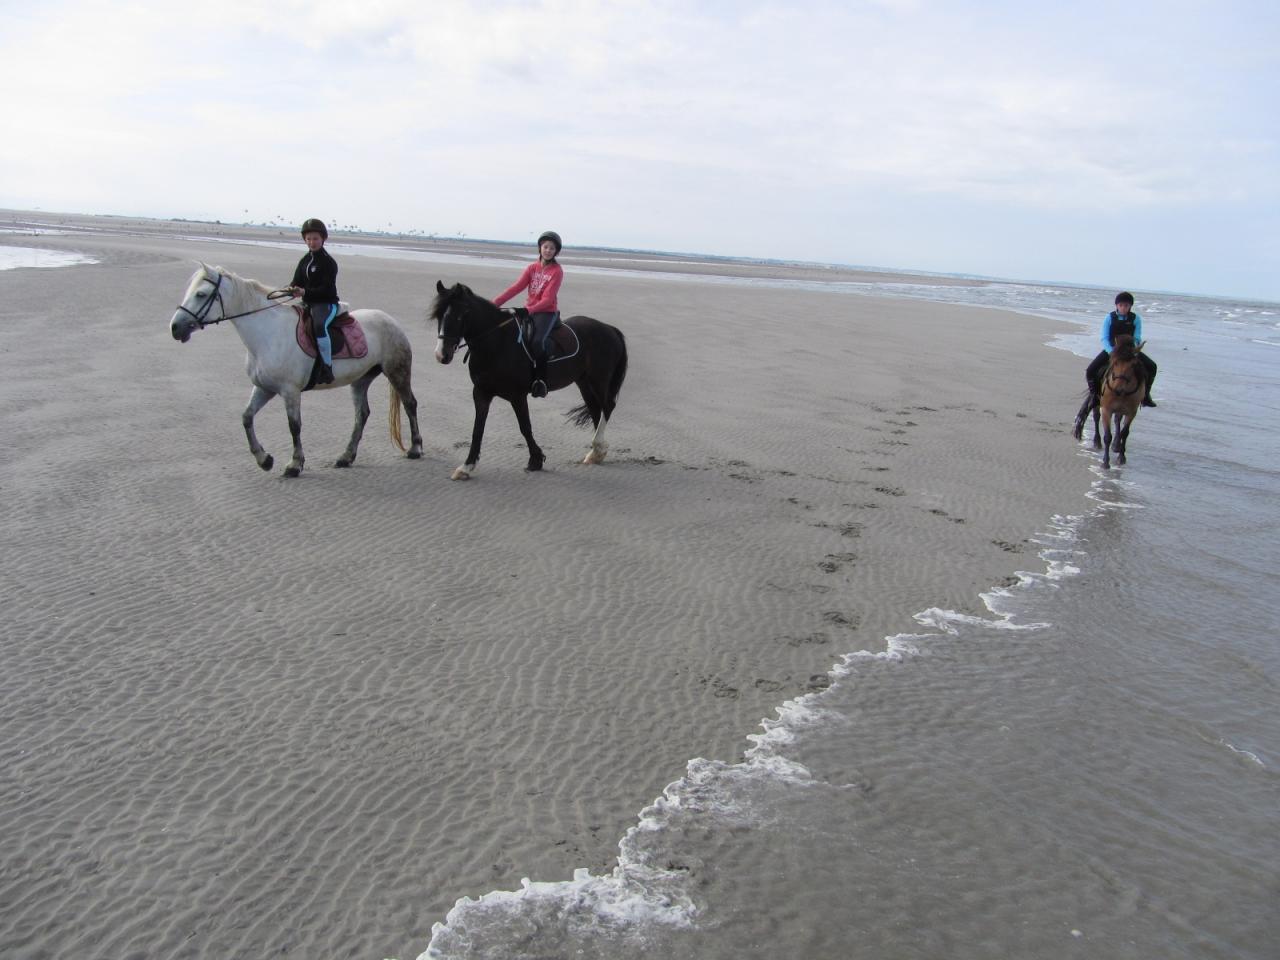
x=1120 y=144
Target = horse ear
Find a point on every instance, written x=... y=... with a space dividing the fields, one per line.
x=439 y=287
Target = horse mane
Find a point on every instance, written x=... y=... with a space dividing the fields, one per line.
x=258 y=285
x=441 y=302
x=459 y=291
x=205 y=270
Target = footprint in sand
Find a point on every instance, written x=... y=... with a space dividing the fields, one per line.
x=841 y=619
x=720 y=687
x=810 y=640
x=833 y=562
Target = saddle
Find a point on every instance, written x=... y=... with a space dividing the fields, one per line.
x=561 y=343
x=346 y=336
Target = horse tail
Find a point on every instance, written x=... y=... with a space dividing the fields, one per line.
x=619 y=370
x=394 y=421
x=581 y=414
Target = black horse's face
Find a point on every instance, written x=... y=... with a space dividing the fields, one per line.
x=449 y=320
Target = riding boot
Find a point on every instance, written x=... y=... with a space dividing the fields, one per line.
x=1146 y=398
x=324 y=365
x=539 y=387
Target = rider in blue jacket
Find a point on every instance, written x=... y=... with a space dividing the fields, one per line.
x=1120 y=321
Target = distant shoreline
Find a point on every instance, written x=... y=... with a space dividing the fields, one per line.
x=603 y=257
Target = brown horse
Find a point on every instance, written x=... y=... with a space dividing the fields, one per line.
x=1122 y=389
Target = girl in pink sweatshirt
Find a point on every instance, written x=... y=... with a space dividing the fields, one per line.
x=542 y=279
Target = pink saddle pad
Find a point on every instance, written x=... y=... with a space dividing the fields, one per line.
x=345 y=333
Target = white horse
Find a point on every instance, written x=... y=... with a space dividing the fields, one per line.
x=277 y=365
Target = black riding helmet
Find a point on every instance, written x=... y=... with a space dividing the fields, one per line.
x=553 y=237
x=315 y=226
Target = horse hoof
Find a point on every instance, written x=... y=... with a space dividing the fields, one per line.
x=414 y=454
x=460 y=473
x=342 y=462
x=292 y=472
x=267 y=462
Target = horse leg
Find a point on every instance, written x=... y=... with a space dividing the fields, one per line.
x=1122 y=440
x=257 y=400
x=402 y=393
x=293 y=410
x=1106 y=444
x=482 y=401
x=599 y=446
x=360 y=399
x=599 y=418
x=536 y=457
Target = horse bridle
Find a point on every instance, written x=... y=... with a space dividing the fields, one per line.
x=200 y=316
x=1111 y=379
x=462 y=337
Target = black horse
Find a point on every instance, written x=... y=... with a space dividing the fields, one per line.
x=594 y=356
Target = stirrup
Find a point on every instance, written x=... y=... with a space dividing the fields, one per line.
x=1148 y=402
x=539 y=389
x=325 y=373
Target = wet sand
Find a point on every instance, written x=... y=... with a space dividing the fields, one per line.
x=247 y=716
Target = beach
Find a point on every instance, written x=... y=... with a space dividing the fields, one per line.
x=249 y=716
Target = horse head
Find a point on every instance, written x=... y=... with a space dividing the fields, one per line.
x=451 y=310
x=204 y=290
x=1124 y=350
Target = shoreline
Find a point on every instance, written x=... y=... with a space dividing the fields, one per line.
x=511 y=668
x=601 y=257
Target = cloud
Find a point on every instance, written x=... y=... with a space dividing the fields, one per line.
x=618 y=116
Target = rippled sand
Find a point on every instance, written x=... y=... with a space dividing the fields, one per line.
x=246 y=716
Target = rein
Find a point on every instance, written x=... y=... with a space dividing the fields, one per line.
x=469 y=341
x=200 y=316
x=512 y=316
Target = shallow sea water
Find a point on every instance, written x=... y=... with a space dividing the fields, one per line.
x=11 y=258
x=1091 y=771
